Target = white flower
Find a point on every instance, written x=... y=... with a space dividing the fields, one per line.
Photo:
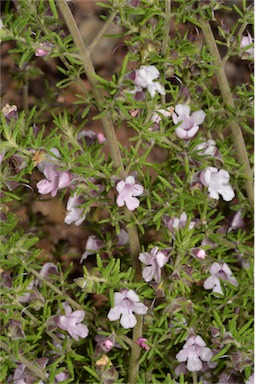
x=237 y=221
x=74 y=214
x=156 y=116
x=70 y=323
x=127 y=190
x=207 y=148
x=245 y=42
x=155 y=261
x=93 y=245
x=217 y=182
x=189 y=123
x=194 y=352
x=175 y=223
x=125 y=303
x=144 y=77
x=219 y=271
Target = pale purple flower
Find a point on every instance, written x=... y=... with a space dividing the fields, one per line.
x=10 y=112
x=194 y=352
x=91 y=137
x=40 y=52
x=219 y=271
x=154 y=260
x=175 y=223
x=106 y=343
x=27 y=296
x=156 y=116
x=19 y=374
x=101 y=138
x=144 y=78
x=43 y=49
x=207 y=148
x=71 y=323
x=75 y=214
x=15 y=330
x=237 y=221
x=142 y=342
x=92 y=246
x=125 y=303
x=189 y=123
x=22 y=375
x=62 y=376
x=47 y=269
x=198 y=253
x=246 y=41
x=127 y=190
x=54 y=181
x=217 y=182
x=123 y=238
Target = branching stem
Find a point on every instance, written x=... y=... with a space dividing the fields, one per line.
x=117 y=163
x=228 y=99
x=36 y=370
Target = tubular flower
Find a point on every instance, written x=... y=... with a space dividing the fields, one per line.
x=125 y=303
x=144 y=77
x=194 y=352
x=127 y=190
x=217 y=182
x=154 y=260
x=74 y=214
x=71 y=323
x=219 y=271
x=189 y=123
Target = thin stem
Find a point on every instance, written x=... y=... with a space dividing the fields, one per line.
x=166 y=35
x=117 y=163
x=101 y=32
x=135 y=351
x=166 y=27
x=228 y=99
x=95 y=86
x=36 y=370
x=73 y=303
x=234 y=44
x=194 y=377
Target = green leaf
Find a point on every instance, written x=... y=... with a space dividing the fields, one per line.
x=53 y=8
x=221 y=353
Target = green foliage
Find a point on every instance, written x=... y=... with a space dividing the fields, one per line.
x=167 y=167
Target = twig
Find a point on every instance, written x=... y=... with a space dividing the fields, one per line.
x=116 y=157
x=234 y=44
x=101 y=32
x=36 y=370
x=166 y=35
x=228 y=99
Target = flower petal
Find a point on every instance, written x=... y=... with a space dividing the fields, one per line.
x=128 y=320
x=114 y=314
